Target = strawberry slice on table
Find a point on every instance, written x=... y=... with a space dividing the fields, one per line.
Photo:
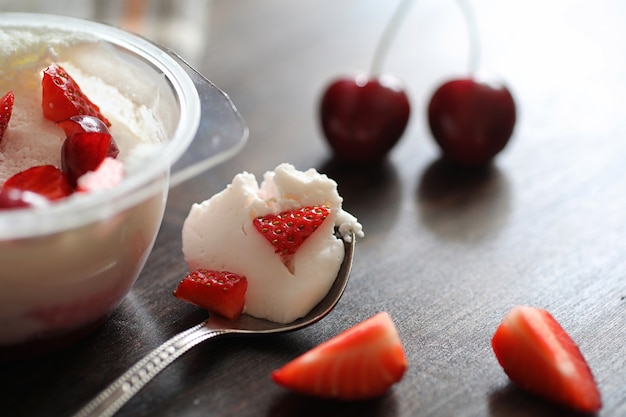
x=288 y=230
x=45 y=180
x=63 y=98
x=540 y=357
x=6 y=108
x=220 y=292
x=84 y=151
x=362 y=362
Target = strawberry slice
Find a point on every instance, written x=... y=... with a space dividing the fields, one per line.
x=220 y=292
x=288 y=230
x=6 y=108
x=540 y=357
x=84 y=151
x=63 y=98
x=12 y=198
x=360 y=363
x=45 y=180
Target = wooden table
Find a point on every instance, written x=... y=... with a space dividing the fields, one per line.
x=447 y=253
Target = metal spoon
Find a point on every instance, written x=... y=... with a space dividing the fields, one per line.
x=112 y=398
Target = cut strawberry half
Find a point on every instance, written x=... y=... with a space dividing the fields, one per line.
x=45 y=180
x=220 y=292
x=6 y=108
x=540 y=357
x=84 y=151
x=63 y=98
x=288 y=230
x=360 y=363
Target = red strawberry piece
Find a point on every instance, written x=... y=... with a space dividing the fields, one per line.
x=540 y=357
x=109 y=173
x=45 y=180
x=219 y=292
x=13 y=198
x=288 y=230
x=360 y=363
x=83 y=152
x=6 y=108
x=82 y=123
x=63 y=98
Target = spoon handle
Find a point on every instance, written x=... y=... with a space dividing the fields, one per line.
x=132 y=381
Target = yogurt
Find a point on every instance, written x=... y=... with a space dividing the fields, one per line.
x=120 y=90
x=68 y=277
x=219 y=234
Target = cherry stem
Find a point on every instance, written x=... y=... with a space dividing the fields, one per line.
x=389 y=33
x=396 y=21
x=472 y=34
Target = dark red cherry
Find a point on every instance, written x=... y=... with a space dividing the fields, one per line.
x=363 y=118
x=87 y=143
x=471 y=119
x=82 y=123
x=84 y=151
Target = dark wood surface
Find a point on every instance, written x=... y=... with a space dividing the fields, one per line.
x=447 y=253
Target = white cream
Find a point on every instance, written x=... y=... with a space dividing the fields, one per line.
x=54 y=283
x=122 y=90
x=218 y=234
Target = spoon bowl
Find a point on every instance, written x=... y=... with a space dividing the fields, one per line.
x=132 y=381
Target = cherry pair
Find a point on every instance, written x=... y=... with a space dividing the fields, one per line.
x=470 y=119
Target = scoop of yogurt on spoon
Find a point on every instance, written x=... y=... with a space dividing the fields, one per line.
x=219 y=234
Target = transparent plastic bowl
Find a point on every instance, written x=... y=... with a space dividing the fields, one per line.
x=64 y=268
